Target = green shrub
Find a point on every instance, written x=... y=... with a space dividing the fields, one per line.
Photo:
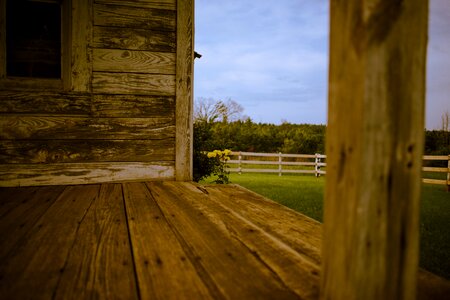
x=203 y=166
x=208 y=163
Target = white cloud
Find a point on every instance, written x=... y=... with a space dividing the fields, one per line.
x=438 y=64
x=265 y=52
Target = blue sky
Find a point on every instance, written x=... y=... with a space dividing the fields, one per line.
x=272 y=58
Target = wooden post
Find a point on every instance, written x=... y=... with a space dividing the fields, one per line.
x=280 y=159
x=240 y=166
x=316 y=166
x=448 y=174
x=375 y=139
x=184 y=90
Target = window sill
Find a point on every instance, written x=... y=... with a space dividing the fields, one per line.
x=12 y=83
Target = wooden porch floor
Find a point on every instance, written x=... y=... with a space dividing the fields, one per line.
x=154 y=240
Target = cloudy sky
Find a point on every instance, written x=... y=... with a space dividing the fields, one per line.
x=272 y=58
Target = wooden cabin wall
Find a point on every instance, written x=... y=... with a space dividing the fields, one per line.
x=115 y=117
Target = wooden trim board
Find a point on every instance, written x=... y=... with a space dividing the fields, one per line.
x=83 y=173
x=184 y=89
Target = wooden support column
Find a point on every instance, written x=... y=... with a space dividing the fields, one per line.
x=374 y=148
x=184 y=90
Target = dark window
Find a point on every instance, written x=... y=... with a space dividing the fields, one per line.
x=33 y=39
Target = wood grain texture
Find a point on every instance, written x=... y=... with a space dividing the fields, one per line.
x=99 y=264
x=2 y=39
x=213 y=250
x=37 y=127
x=296 y=270
x=134 y=17
x=162 y=266
x=81 y=40
x=184 y=90
x=41 y=102
x=130 y=105
x=162 y=4
x=106 y=105
x=83 y=173
x=66 y=41
x=30 y=205
x=133 y=83
x=134 y=39
x=115 y=60
x=80 y=151
x=72 y=242
x=44 y=252
x=305 y=239
x=374 y=149
x=29 y=83
x=10 y=197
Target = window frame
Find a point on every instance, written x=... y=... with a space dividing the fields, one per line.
x=15 y=82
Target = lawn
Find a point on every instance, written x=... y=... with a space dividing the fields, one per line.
x=304 y=193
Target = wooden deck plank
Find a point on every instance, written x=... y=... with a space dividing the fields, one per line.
x=100 y=263
x=29 y=205
x=12 y=197
x=226 y=260
x=296 y=230
x=159 y=240
x=162 y=266
x=34 y=269
x=297 y=271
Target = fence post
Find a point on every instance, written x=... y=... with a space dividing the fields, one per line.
x=316 y=166
x=279 y=164
x=448 y=174
x=240 y=166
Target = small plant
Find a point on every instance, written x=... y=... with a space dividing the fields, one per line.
x=219 y=159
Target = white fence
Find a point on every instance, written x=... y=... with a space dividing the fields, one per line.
x=438 y=170
x=310 y=164
x=284 y=163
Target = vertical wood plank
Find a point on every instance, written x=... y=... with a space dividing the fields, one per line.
x=297 y=271
x=10 y=198
x=162 y=266
x=184 y=89
x=100 y=263
x=43 y=253
x=30 y=203
x=374 y=149
x=2 y=39
x=81 y=39
x=66 y=44
x=222 y=260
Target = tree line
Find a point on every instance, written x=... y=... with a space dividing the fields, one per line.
x=221 y=125
x=261 y=137
x=286 y=138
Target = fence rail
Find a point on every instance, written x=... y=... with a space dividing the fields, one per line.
x=284 y=166
x=314 y=162
x=437 y=170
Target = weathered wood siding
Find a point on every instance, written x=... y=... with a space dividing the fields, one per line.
x=115 y=117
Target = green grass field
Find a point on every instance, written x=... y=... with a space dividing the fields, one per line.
x=305 y=193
